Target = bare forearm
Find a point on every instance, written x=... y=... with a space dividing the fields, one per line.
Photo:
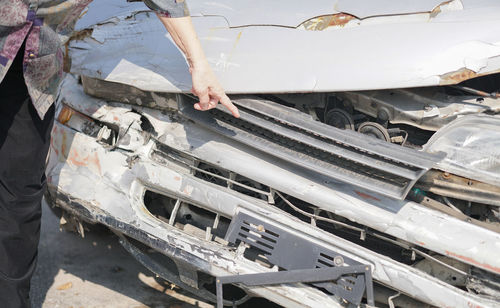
x=205 y=84
x=182 y=31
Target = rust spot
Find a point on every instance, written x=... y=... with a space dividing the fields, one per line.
x=462 y=75
x=87 y=161
x=438 y=10
x=435 y=11
x=340 y=20
x=472 y=261
x=177 y=178
x=366 y=196
x=420 y=243
x=323 y=22
x=115 y=118
x=457 y=76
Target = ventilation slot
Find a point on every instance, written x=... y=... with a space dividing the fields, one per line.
x=187 y=217
x=324 y=260
x=164 y=155
x=258 y=237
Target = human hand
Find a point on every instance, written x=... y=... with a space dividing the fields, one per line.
x=208 y=89
x=205 y=84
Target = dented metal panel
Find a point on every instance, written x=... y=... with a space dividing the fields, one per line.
x=79 y=162
x=278 y=13
x=403 y=219
x=437 y=244
x=383 y=53
x=427 y=108
x=98 y=12
x=363 y=9
x=293 y=13
x=261 y=12
x=357 y=160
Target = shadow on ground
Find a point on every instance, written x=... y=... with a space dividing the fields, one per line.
x=94 y=271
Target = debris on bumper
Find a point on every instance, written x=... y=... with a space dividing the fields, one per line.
x=168 y=186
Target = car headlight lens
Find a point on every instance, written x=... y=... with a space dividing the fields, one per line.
x=472 y=147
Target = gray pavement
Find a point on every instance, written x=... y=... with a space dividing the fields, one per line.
x=95 y=271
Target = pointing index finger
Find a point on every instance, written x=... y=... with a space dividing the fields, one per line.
x=226 y=102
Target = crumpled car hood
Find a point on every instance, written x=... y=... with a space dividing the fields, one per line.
x=278 y=13
x=293 y=13
x=449 y=43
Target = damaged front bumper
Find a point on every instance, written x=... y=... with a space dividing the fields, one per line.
x=216 y=205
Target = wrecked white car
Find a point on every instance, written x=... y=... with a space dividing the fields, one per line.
x=364 y=170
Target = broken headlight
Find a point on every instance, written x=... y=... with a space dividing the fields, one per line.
x=472 y=147
x=84 y=124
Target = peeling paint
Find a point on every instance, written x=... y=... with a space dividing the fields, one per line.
x=401 y=61
x=188 y=190
x=405 y=220
x=458 y=76
x=323 y=22
x=472 y=261
x=450 y=5
x=90 y=160
x=366 y=196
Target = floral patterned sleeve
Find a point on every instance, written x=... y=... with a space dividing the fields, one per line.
x=168 y=8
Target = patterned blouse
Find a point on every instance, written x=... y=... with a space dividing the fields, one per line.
x=44 y=25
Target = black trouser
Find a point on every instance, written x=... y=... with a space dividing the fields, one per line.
x=24 y=143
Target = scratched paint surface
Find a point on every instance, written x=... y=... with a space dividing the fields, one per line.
x=412 y=50
x=116 y=189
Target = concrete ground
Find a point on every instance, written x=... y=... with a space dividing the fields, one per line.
x=95 y=271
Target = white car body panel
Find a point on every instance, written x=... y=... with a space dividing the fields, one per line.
x=445 y=49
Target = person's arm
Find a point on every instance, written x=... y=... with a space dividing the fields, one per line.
x=205 y=84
